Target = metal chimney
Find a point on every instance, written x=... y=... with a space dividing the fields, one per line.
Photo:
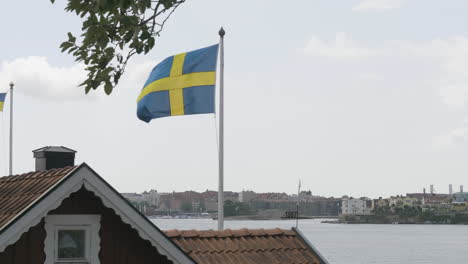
x=450 y=189
x=461 y=188
x=53 y=157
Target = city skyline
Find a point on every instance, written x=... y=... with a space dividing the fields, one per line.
x=427 y=190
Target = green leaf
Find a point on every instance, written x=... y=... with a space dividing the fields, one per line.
x=66 y=45
x=71 y=38
x=145 y=35
x=117 y=77
x=108 y=88
x=151 y=42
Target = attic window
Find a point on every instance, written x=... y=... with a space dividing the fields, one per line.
x=71 y=244
x=72 y=239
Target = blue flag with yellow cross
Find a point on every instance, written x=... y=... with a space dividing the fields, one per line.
x=2 y=100
x=183 y=84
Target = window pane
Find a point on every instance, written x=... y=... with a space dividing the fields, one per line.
x=71 y=244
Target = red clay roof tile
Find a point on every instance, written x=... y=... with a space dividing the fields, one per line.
x=248 y=246
x=17 y=192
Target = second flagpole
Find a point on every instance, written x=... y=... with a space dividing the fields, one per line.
x=11 y=128
x=221 y=132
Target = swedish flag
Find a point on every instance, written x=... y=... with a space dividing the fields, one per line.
x=183 y=84
x=2 y=100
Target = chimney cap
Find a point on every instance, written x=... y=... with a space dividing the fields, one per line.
x=52 y=157
x=54 y=149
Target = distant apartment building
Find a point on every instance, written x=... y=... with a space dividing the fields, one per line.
x=460 y=197
x=246 y=196
x=232 y=196
x=211 y=206
x=402 y=201
x=320 y=207
x=460 y=202
x=381 y=202
x=210 y=199
x=308 y=205
x=356 y=206
x=151 y=197
x=133 y=197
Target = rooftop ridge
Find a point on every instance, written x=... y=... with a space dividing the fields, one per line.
x=243 y=232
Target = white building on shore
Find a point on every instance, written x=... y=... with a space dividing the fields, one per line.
x=356 y=206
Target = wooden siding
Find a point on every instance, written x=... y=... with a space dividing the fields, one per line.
x=120 y=244
x=29 y=249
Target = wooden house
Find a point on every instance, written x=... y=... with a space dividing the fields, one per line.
x=67 y=214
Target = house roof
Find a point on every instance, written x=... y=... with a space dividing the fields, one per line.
x=25 y=199
x=246 y=246
x=19 y=191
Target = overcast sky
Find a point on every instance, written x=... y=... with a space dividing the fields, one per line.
x=357 y=97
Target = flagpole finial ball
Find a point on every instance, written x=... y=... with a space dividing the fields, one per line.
x=222 y=32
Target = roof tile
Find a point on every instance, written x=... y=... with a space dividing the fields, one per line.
x=172 y=233
x=248 y=246
x=17 y=192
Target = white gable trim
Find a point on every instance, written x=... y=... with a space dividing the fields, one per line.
x=71 y=183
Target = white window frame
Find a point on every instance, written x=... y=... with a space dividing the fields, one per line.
x=89 y=223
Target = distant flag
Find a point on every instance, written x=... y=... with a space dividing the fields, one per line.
x=2 y=100
x=183 y=84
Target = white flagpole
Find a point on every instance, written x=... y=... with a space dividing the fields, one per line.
x=11 y=127
x=221 y=132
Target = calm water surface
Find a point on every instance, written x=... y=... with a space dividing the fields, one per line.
x=362 y=244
